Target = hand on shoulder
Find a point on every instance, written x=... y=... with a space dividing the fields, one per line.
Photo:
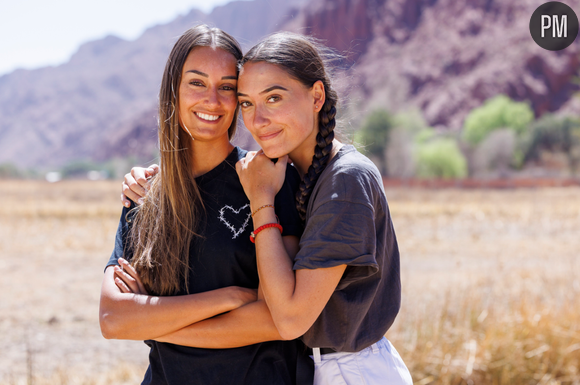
x=137 y=183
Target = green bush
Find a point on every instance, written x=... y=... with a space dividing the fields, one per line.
x=374 y=134
x=399 y=153
x=552 y=133
x=440 y=158
x=373 y=137
x=10 y=171
x=555 y=134
x=78 y=168
x=411 y=121
x=497 y=112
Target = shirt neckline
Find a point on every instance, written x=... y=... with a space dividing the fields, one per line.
x=229 y=162
x=345 y=149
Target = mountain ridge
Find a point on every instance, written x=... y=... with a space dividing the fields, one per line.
x=437 y=56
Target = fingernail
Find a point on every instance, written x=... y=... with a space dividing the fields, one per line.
x=127 y=204
x=140 y=201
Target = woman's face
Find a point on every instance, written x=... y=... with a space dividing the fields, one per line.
x=207 y=93
x=279 y=111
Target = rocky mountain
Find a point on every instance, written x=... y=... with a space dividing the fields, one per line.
x=98 y=103
x=443 y=57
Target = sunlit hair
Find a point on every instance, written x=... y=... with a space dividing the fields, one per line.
x=306 y=60
x=165 y=224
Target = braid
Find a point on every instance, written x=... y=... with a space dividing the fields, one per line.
x=321 y=156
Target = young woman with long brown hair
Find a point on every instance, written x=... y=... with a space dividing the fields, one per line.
x=184 y=255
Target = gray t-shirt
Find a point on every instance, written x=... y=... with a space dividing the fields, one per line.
x=348 y=222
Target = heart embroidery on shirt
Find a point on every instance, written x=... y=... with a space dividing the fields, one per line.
x=222 y=218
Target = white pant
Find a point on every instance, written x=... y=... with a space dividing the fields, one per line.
x=377 y=364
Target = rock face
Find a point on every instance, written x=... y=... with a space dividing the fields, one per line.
x=443 y=57
x=446 y=57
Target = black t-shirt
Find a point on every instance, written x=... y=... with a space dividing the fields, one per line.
x=226 y=257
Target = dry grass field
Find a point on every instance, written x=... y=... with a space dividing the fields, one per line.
x=491 y=282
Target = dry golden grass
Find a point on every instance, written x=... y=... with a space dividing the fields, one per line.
x=490 y=285
x=56 y=239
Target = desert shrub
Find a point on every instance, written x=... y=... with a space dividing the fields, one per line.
x=118 y=167
x=374 y=135
x=410 y=120
x=82 y=169
x=555 y=134
x=498 y=112
x=439 y=157
x=399 y=153
x=78 y=168
x=9 y=171
x=495 y=154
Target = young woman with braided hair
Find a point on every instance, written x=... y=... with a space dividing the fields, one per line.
x=340 y=291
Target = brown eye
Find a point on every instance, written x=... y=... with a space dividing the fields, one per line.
x=273 y=99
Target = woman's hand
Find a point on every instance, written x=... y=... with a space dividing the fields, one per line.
x=136 y=184
x=260 y=177
x=127 y=279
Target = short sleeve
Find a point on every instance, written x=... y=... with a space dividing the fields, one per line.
x=285 y=204
x=340 y=233
x=121 y=238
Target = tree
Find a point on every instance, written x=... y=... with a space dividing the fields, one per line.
x=556 y=134
x=400 y=150
x=439 y=157
x=374 y=136
x=495 y=154
x=498 y=112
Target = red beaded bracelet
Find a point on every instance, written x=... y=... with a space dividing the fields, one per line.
x=255 y=232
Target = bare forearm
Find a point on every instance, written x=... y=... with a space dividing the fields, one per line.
x=277 y=277
x=295 y=298
x=139 y=317
x=274 y=263
x=247 y=325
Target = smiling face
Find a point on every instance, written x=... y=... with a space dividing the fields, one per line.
x=280 y=112
x=207 y=93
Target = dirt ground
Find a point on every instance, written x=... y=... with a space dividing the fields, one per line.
x=56 y=238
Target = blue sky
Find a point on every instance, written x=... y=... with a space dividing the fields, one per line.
x=37 y=33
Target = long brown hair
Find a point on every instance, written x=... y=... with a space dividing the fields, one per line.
x=165 y=224
x=305 y=60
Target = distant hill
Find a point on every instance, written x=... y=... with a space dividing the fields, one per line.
x=442 y=57
x=90 y=107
